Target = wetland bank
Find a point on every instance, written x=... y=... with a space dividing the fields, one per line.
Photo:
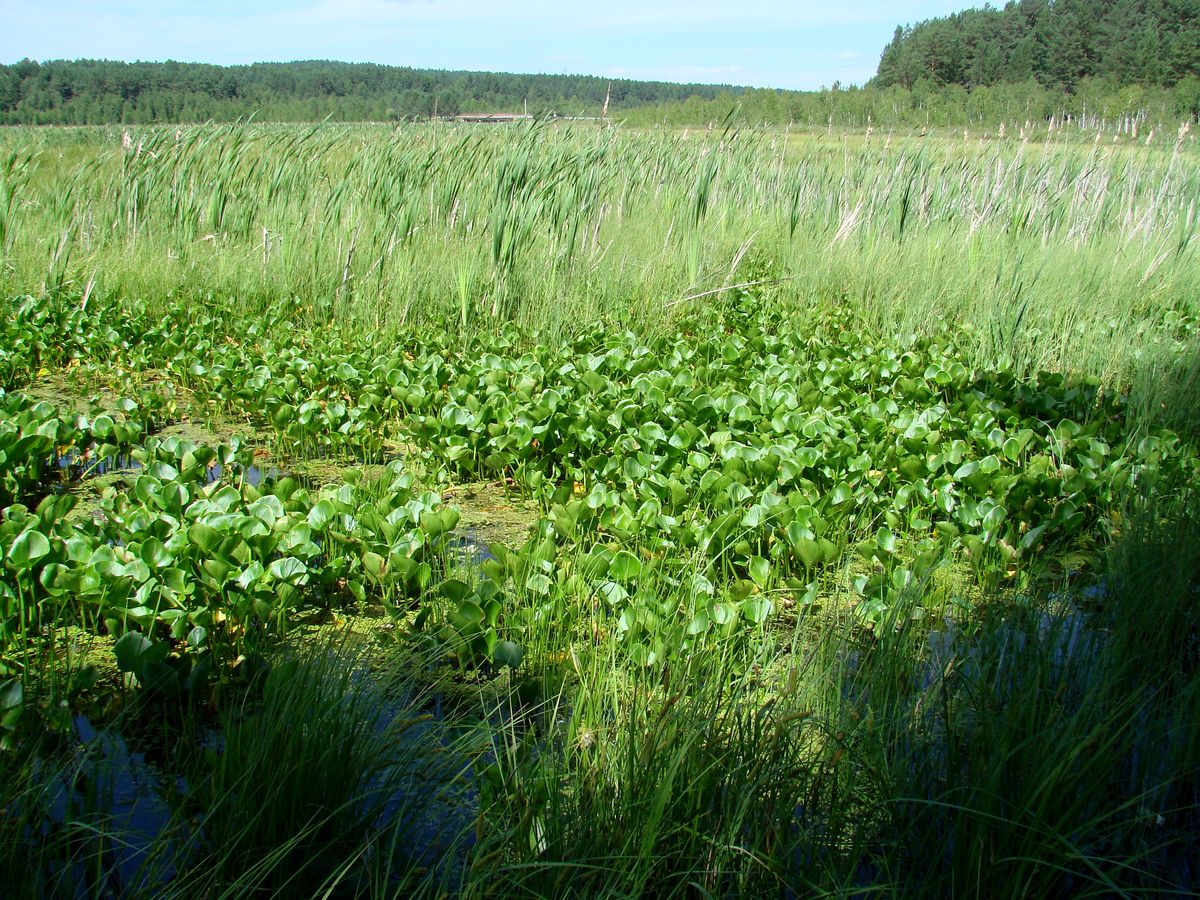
x=558 y=510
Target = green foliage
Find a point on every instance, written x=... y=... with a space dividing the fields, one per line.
x=1058 y=44
x=194 y=548
x=323 y=777
x=88 y=92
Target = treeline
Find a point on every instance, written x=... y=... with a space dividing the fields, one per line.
x=92 y=92
x=1057 y=43
x=86 y=92
x=1096 y=104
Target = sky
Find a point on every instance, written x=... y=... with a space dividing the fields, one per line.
x=798 y=44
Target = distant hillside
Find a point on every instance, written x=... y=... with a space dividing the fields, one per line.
x=96 y=91
x=1057 y=42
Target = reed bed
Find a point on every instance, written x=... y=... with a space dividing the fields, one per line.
x=1058 y=255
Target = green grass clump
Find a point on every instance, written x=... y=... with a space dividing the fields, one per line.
x=327 y=775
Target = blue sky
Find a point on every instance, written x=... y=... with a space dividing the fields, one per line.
x=767 y=43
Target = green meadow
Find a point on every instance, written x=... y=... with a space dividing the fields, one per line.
x=574 y=510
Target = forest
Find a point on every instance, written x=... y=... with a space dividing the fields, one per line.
x=93 y=92
x=89 y=92
x=1058 y=43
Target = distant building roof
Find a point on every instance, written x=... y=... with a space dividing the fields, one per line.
x=492 y=117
